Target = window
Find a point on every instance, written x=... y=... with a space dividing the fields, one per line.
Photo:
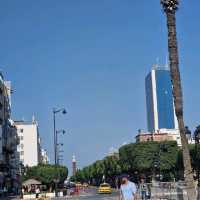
x=21 y=130
x=22 y=146
x=1 y=105
x=21 y=153
x=21 y=138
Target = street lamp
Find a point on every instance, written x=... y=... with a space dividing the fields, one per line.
x=60 y=144
x=157 y=161
x=56 y=111
x=60 y=131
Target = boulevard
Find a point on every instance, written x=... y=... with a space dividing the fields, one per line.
x=93 y=197
x=89 y=196
x=119 y=117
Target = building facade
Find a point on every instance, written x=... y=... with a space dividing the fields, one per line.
x=9 y=157
x=159 y=100
x=29 y=147
x=44 y=157
x=159 y=136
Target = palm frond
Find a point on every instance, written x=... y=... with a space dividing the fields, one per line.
x=170 y=5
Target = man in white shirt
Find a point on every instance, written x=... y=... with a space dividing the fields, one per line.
x=128 y=189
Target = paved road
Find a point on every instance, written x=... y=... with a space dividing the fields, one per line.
x=90 y=194
x=93 y=197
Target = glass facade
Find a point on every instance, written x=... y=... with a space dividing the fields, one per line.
x=159 y=100
x=149 y=102
x=164 y=99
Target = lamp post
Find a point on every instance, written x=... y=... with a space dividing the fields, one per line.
x=59 y=151
x=56 y=111
x=157 y=161
x=60 y=158
x=61 y=144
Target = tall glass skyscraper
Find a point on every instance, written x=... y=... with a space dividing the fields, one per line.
x=159 y=100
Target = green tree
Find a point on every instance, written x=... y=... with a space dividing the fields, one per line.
x=141 y=157
x=108 y=167
x=132 y=158
x=46 y=173
x=137 y=157
x=112 y=168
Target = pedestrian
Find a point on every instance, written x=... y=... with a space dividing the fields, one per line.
x=37 y=192
x=128 y=190
x=22 y=191
x=143 y=189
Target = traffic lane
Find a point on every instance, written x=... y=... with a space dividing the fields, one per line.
x=94 y=190
x=102 y=196
x=112 y=196
x=97 y=197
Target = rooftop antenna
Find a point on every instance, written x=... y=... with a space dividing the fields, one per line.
x=33 y=119
x=155 y=66
x=157 y=61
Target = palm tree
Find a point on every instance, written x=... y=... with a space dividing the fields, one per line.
x=170 y=7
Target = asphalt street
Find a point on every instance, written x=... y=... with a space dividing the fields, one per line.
x=89 y=194
x=93 y=197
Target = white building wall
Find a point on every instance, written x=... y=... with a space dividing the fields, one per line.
x=28 y=147
x=44 y=157
x=155 y=103
x=175 y=133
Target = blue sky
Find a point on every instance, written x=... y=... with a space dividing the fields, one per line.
x=92 y=57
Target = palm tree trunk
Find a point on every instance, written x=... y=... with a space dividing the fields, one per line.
x=178 y=101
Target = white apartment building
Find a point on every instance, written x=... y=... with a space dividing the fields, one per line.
x=29 y=147
x=44 y=157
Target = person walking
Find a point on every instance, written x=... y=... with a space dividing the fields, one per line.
x=128 y=190
x=143 y=189
x=37 y=191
